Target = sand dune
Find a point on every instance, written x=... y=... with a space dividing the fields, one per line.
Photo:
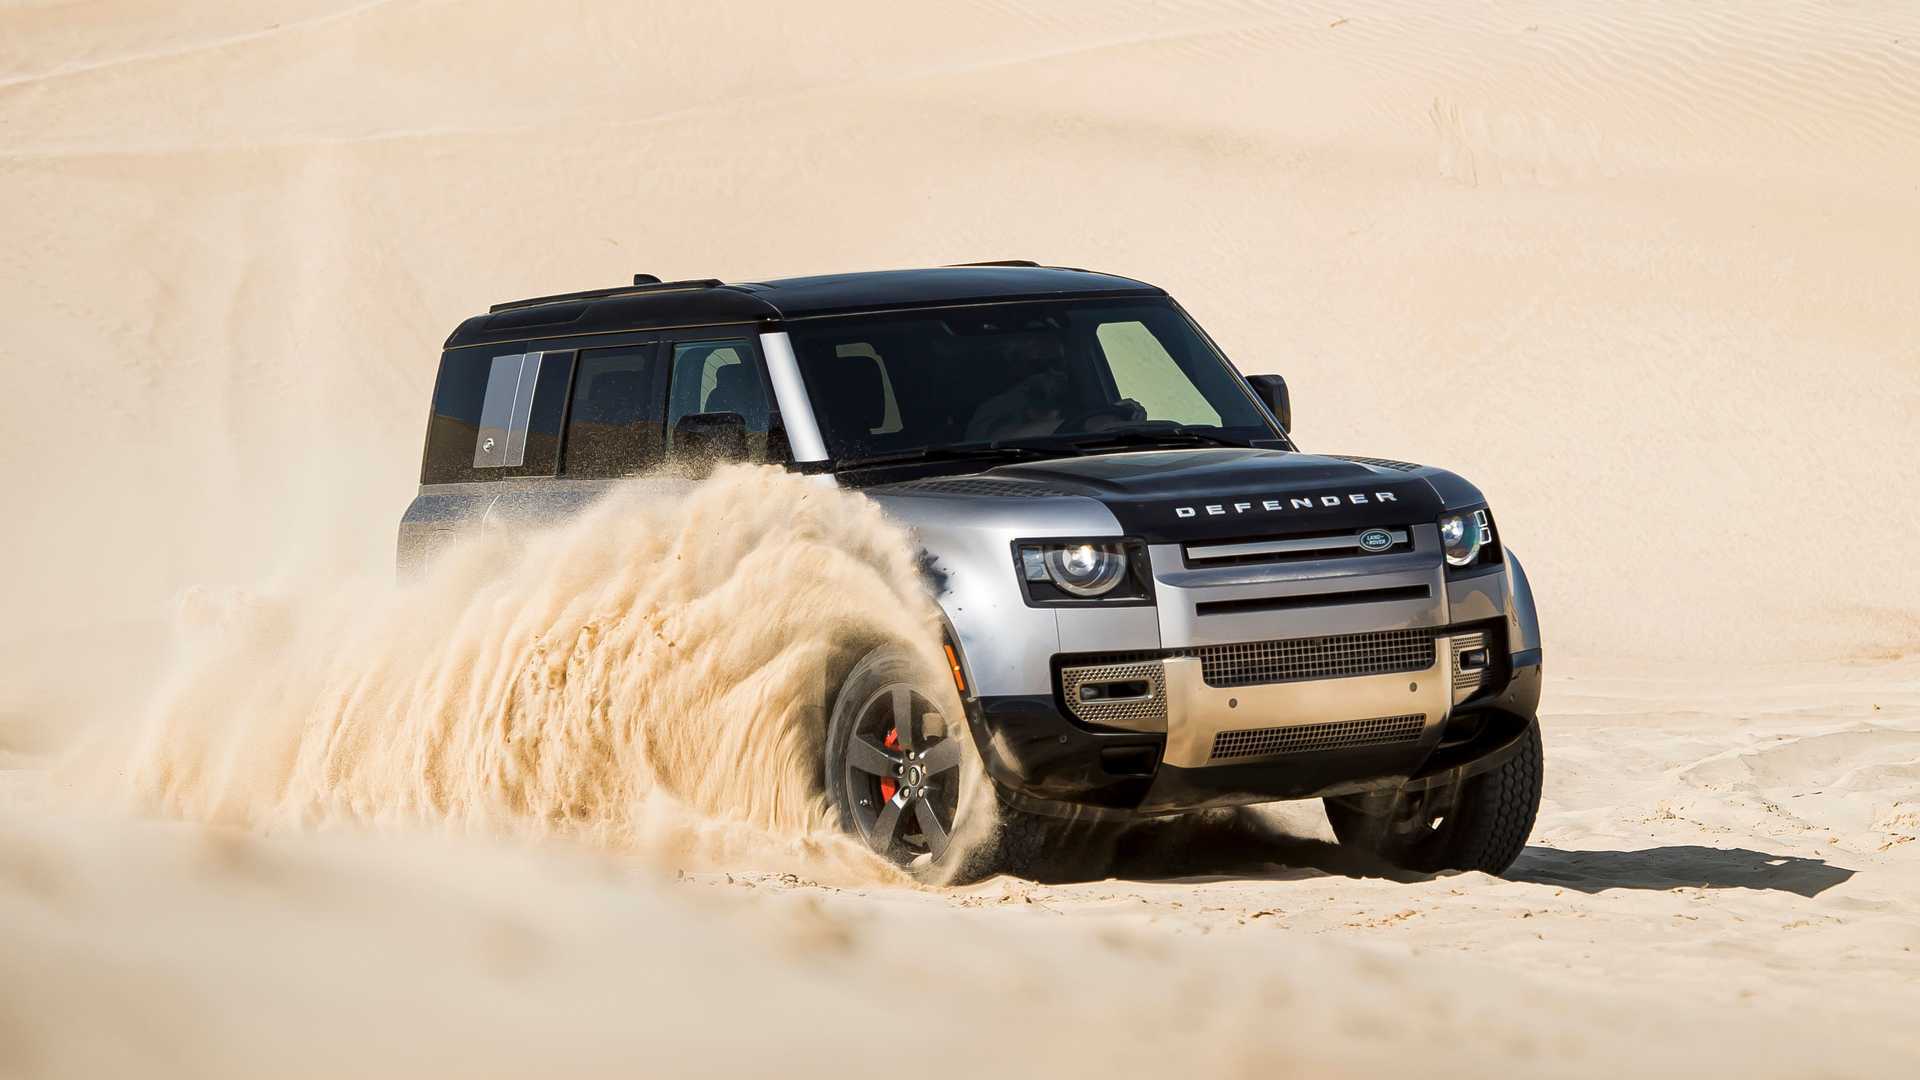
x=1654 y=262
x=1643 y=271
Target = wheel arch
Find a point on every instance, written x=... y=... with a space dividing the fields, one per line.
x=1523 y=619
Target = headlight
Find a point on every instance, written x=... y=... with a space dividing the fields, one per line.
x=1079 y=570
x=1464 y=534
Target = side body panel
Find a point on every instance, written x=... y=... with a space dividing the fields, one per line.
x=441 y=512
x=435 y=517
x=1008 y=644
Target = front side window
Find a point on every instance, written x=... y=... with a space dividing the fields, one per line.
x=720 y=377
x=717 y=376
x=1027 y=372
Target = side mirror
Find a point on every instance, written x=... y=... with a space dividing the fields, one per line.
x=1272 y=389
x=708 y=439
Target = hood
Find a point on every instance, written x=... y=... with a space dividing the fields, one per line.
x=1205 y=494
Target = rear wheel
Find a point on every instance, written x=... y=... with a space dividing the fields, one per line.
x=1479 y=823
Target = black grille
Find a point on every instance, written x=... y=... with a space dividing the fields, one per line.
x=1313 y=600
x=1341 y=544
x=1257 y=662
x=1307 y=738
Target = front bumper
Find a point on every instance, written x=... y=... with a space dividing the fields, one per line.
x=1188 y=744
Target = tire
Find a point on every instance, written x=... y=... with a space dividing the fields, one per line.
x=1482 y=822
x=903 y=775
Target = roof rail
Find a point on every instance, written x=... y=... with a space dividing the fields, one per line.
x=1000 y=262
x=638 y=287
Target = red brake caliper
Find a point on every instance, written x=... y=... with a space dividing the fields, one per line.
x=888 y=785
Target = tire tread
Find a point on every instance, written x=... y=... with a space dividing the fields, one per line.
x=1509 y=807
x=1495 y=814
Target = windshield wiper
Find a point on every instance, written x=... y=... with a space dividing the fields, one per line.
x=1170 y=435
x=1044 y=446
x=957 y=452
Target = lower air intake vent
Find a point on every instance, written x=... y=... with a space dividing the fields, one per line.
x=1309 y=738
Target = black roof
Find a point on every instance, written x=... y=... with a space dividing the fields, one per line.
x=654 y=304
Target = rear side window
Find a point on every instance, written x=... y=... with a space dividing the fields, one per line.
x=615 y=426
x=496 y=412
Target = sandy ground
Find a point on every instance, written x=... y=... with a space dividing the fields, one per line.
x=1723 y=882
x=1654 y=262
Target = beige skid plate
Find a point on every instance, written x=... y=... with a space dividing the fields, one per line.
x=1196 y=712
x=1193 y=714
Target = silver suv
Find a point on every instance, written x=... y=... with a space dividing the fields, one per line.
x=1153 y=601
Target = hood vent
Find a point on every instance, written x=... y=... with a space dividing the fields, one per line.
x=1380 y=463
x=1015 y=489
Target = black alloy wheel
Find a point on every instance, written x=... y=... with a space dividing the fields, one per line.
x=893 y=760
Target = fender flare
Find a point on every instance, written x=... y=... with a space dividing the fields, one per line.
x=1523 y=620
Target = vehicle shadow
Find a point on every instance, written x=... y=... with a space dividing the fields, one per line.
x=1213 y=845
x=1242 y=846
x=1677 y=866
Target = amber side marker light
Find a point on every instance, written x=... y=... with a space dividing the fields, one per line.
x=953 y=662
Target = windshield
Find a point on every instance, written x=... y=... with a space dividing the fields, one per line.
x=1035 y=373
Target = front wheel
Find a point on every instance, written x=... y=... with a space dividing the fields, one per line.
x=903 y=775
x=1480 y=823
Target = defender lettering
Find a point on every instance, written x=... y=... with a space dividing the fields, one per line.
x=1320 y=502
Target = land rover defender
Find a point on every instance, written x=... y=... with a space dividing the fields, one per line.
x=1153 y=601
